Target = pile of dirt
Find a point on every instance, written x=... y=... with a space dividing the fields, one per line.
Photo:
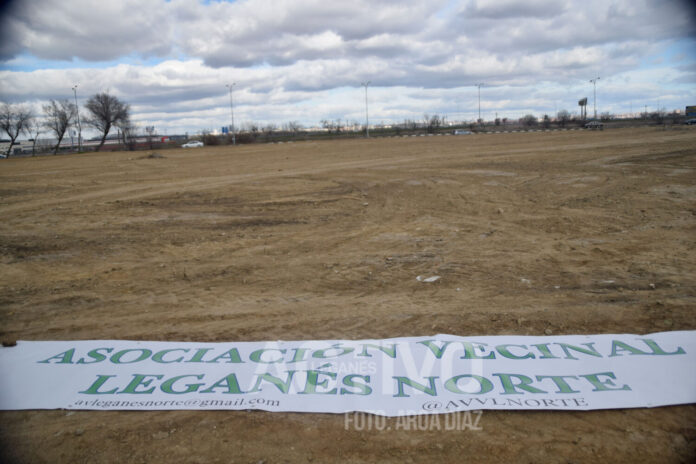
x=153 y=156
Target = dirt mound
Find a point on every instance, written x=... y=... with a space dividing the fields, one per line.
x=153 y=156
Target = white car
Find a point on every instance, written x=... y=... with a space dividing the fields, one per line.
x=192 y=144
x=594 y=125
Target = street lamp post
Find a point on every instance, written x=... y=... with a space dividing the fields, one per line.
x=367 y=121
x=594 y=84
x=229 y=86
x=479 y=101
x=79 y=126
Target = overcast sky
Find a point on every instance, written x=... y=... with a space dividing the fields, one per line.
x=304 y=60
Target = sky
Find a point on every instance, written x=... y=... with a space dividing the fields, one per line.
x=305 y=60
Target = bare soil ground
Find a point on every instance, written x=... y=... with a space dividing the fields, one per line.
x=543 y=233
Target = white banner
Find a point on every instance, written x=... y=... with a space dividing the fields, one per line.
x=391 y=377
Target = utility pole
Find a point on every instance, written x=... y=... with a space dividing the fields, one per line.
x=79 y=127
x=367 y=121
x=479 y=100
x=229 y=86
x=594 y=83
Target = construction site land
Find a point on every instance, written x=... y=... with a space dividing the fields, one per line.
x=544 y=233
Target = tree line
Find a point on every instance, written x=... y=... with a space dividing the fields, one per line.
x=104 y=112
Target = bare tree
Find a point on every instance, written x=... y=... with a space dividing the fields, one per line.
x=268 y=130
x=14 y=120
x=328 y=125
x=34 y=129
x=59 y=116
x=251 y=129
x=432 y=123
x=546 y=121
x=106 y=111
x=529 y=120
x=658 y=116
x=435 y=122
x=150 y=131
x=410 y=124
x=130 y=135
x=563 y=117
x=294 y=127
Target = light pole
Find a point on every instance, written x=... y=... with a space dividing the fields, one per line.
x=479 y=99
x=594 y=84
x=229 y=86
x=367 y=121
x=79 y=127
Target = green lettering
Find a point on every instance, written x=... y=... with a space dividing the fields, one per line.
x=198 y=357
x=590 y=350
x=505 y=351
x=363 y=388
x=229 y=382
x=405 y=381
x=340 y=351
x=525 y=383
x=299 y=354
x=144 y=354
x=601 y=385
x=545 y=351
x=659 y=351
x=158 y=357
x=141 y=380
x=618 y=347
x=437 y=351
x=560 y=382
x=283 y=386
x=391 y=352
x=313 y=382
x=65 y=357
x=96 y=355
x=470 y=351
x=94 y=388
x=168 y=385
x=256 y=356
x=484 y=385
x=231 y=355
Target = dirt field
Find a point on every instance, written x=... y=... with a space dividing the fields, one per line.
x=543 y=233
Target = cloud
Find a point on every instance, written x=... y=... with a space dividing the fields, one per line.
x=304 y=59
x=58 y=30
x=503 y=9
x=282 y=31
x=534 y=26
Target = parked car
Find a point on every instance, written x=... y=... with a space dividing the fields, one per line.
x=462 y=132
x=690 y=122
x=192 y=144
x=594 y=125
